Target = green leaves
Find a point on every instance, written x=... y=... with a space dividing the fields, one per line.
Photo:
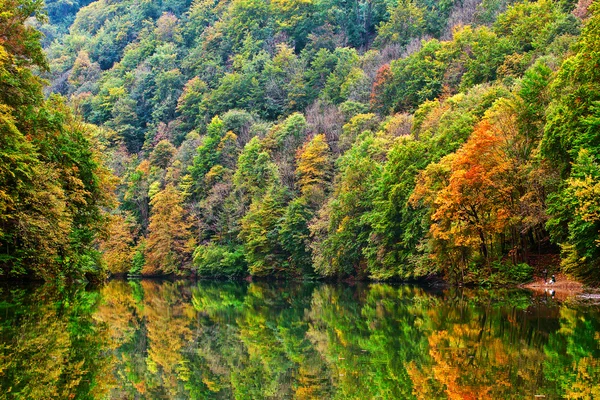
x=571 y=140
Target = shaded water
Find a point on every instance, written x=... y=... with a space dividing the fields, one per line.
x=161 y=339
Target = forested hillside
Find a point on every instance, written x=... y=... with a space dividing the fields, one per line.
x=54 y=189
x=382 y=139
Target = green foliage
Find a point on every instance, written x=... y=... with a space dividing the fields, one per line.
x=571 y=141
x=406 y=22
x=215 y=260
x=294 y=235
x=340 y=230
x=53 y=185
x=503 y=273
x=207 y=154
x=260 y=234
x=382 y=140
x=138 y=260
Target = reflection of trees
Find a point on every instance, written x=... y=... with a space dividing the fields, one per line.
x=223 y=340
x=369 y=336
x=253 y=343
x=573 y=355
x=274 y=335
x=168 y=315
x=484 y=347
x=230 y=340
x=150 y=326
x=50 y=347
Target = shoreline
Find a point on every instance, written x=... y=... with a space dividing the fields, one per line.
x=564 y=288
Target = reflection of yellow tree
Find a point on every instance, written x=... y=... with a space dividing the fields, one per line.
x=149 y=327
x=168 y=318
x=574 y=355
x=117 y=311
x=51 y=349
x=586 y=385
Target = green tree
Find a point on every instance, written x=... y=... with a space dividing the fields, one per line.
x=571 y=142
x=260 y=234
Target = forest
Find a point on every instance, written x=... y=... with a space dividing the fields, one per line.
x=300 y=139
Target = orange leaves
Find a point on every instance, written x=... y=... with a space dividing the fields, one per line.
x=471 y=194
x=382 y=79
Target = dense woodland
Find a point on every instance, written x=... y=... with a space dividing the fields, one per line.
x=381 y=139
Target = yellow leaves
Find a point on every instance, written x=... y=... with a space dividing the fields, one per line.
x=170 y=242
x=116 y=91
x=343 y=223
x=314 y=167
x=228 y=139
x=116 y=248
x=586 y=383
x=587 y=191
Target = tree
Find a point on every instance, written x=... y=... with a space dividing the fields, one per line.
x=53 y=185
x=340 y=231
x=117 y=245
x=314 y=169
x=462 y=194
x=406 y=22
x=170 y=242
x=294 y=235
x=162 y=154
x=207 y=154
x=571 y=142
x=260 y=234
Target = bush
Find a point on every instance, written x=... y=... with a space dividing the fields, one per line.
x=138 y=260
x=507 y=273
x=213 y=260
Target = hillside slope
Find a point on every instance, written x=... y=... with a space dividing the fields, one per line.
x=301 y=138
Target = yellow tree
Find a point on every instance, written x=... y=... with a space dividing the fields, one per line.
x=170 y=242
x=117 y=246
x=314 y=168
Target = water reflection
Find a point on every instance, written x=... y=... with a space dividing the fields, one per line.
x=180 y=340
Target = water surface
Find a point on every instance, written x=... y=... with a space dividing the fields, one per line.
x=222 y=340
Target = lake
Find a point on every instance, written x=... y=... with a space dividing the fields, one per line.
x=183 y=339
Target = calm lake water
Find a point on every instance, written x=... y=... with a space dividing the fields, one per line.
x=162 y=340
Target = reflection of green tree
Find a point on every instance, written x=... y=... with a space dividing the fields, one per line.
x=253 y=342
x=369 y=337
x=275 y=336
x=573 y=355
x=50 y=347
x=218 y=347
